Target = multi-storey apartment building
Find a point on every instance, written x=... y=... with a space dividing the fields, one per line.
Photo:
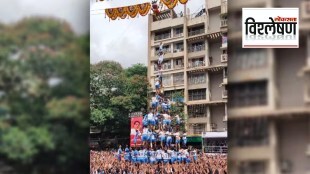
x=195 y=62
x=269 y=91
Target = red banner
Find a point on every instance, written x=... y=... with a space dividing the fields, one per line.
x=136 y=131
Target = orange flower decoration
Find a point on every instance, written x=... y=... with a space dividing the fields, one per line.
x=132 y=11
x=144 y=8
x=183 y=1
x=170 y=3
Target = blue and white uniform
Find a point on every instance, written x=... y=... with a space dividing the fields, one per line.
x=153 y=137
x=174 y=156
x=150 y=119
x=162 y=136
x=145 y=134
x=127 y=154
x=177 y=137
x=165 y=157
x=167 y=120
x=154 y=102
x=184 y=139
x=164 y=106
x=141 y=158
x=119 y=154
x=152 y=157
x=179 y=157
x=133 y=156
x=194 y=153
x=159 y=155
x=145 y=121
x=169 y=139
x=157 y=84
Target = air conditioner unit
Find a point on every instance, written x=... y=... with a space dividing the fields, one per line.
x=223 y=58
x=305 y=9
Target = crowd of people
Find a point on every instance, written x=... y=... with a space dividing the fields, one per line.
x=164 y=147
x=105 y=162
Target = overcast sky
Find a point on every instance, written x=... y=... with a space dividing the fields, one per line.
x=76 y=12
x=124 y=41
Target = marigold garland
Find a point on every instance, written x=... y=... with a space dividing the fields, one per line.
x=144 y=8
x=141 y=9
x=111 y=13
x=170 y=3
x=183 y=1
x=132 y=11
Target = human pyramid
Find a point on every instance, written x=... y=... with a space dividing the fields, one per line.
x=161 y=138
x=157 y=123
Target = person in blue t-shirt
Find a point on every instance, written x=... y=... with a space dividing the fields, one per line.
x=127 y=154
x=119 y=153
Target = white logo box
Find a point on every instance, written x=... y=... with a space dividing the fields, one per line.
x=270 y=40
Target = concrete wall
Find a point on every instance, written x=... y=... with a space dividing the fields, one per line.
x=294 y=136
x=217 y=116
x=290 y=86
x=215 y=52
x=215 y=80
x=213 y=3
x=214 y=20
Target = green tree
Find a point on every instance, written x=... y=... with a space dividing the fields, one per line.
x=114 y=93
x=44 y=104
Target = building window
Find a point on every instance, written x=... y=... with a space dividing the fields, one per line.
x=167 y=80
x=178 y=79
x=248 y=132
x=178 y=63
x=196 y=31
x=197 y=94
x=178 y=47
x=252 y=167
x=166 y=65
x=197 y=111
x=194 y=79
x=248 y=94
x=249 y=59
x=162 y=35
x=198 y=128
x=178 y=32
x=169 y=94
x=193 y=63
x=198 y=46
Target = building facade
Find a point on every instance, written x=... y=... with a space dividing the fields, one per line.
x=269 y=90
x=195 y=62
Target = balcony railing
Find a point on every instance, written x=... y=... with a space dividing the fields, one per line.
x=196 y=32
x=178 y=50
x=215 y=149
x=196 y=64
x=178 y=66
x=164 y=67
x=196 y=48
x=196 y=80
x=163 y=36
x=192 y=115
x=224 y=23
x=165 y=50
x=178 y=34
x=178 y=82
x=224 y=58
